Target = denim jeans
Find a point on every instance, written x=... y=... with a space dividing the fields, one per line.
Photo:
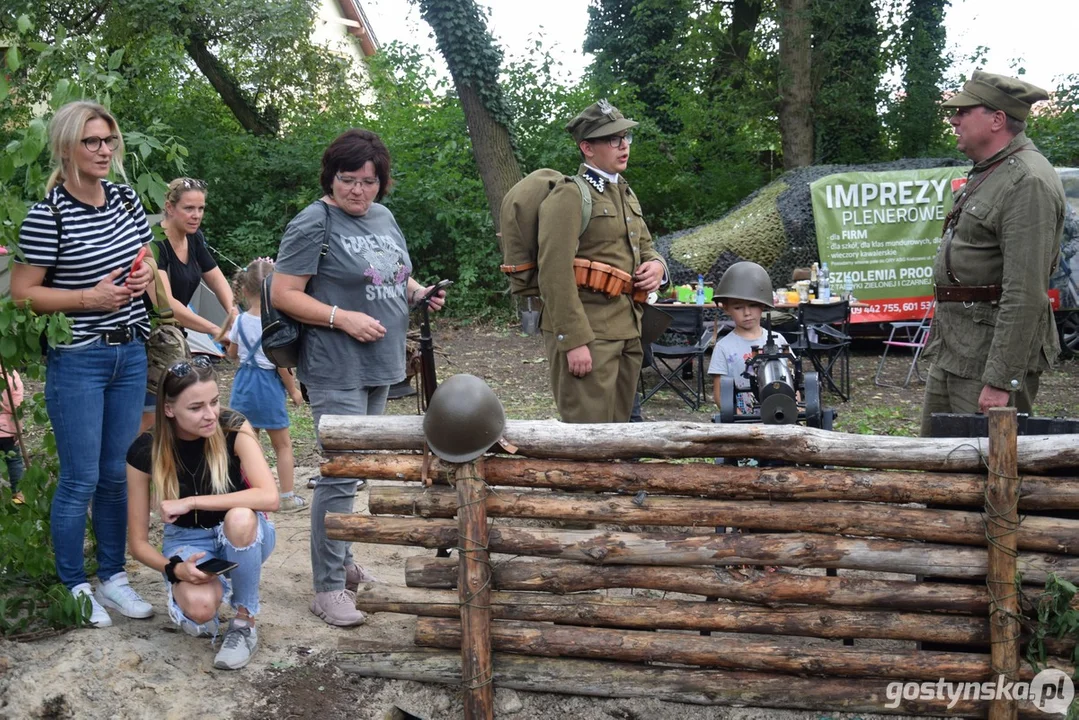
x=329 y=557
x=93 y=394
x=241 y=584
x=9 y=450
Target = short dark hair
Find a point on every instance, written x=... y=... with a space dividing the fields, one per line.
x=350 y=151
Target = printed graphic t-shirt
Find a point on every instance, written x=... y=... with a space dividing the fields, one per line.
x=729 y=358
x=366 y=270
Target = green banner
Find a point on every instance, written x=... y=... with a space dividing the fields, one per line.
x=881 y=231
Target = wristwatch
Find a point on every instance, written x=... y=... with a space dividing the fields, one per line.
x=170 y=569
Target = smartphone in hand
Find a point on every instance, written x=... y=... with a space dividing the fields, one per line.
x=216 y=566
x=138 y=260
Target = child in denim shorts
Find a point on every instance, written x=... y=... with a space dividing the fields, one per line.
x=204 y=472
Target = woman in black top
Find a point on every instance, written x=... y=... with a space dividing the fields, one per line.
x=204 y=471
x=183 y=262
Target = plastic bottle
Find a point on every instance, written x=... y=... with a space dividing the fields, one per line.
x=700 y=289
x=825 y=285
x=848 y=288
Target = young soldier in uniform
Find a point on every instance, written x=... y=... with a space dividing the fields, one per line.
x=593 y=338
x=993 y=331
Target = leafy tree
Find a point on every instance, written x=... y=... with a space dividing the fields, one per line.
x=640 y=41
x=1055 y=129
x=475 y=62
x=847 y=70
x=916 y=121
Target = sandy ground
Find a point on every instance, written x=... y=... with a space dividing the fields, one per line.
x=145 y=669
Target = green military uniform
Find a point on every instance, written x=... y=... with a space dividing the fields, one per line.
x=1006 y=239
x=610 y=326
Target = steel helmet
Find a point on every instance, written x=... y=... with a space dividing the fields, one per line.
x=464 y=419
x=746 y=281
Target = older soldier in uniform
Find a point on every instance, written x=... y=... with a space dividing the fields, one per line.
x=993 y=332
x=593 y=338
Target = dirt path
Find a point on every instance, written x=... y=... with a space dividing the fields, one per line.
x=144 y=669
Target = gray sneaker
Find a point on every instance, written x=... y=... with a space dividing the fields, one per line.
x=238 y=646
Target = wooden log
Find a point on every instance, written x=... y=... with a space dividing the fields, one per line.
x=474 y=582
x=722 y=482
x=1045 y=534
x=648 y=614
x=1002 y=522
x=769 y=590
x=792 y=443
x=596 y=678
x=726 y=653
x=791 y=549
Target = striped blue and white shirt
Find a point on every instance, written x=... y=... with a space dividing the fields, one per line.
x=95 y=241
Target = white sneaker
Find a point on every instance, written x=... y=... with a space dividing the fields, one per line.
x=99 y=617
x=116 y=594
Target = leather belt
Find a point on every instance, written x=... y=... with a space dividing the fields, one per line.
x=968 y=293
x=601 y=277
x=119 y=336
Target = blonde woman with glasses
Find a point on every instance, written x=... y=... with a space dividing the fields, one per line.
x=78 y=255
x=203 y=470
x=184 y=261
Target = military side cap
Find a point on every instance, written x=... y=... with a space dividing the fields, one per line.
x=598 y=120
x=998 y=92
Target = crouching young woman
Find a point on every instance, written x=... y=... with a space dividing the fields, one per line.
x=203 y=470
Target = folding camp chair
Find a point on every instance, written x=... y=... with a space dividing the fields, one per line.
x=911 y=335
x=670 y=360
x=824 y=338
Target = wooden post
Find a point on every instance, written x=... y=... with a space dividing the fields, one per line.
x=1002 y=523
x=474 y=583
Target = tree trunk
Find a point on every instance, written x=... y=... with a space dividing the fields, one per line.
x=626 y=680
x=726 y=653
x=1045 y=534
x=795 y=84
x=640 y=613
x=226 y=86
x=723 y=482
x=789 y=549
x=474 y=62
x=790 y=443
x=770 y=590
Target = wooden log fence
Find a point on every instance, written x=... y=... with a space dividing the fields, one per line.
x=520 y=606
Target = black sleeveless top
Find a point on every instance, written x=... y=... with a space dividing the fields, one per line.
x=191 y=471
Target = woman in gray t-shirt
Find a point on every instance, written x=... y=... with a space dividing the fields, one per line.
x=354 y=302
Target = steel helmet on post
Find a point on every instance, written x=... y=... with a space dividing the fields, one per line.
x=746 y=281
x=464 y=419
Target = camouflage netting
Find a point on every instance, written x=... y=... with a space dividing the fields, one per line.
x=774 y=228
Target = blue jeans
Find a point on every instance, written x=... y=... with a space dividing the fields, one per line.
x=241 y=584
x=9 y=450
x=335 y=494
x=93 y=394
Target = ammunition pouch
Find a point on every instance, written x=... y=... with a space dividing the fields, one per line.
x=603 y=278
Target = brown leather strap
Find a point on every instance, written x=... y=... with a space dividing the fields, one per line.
x=952 y=218
x=968 y=293
x=517 y=268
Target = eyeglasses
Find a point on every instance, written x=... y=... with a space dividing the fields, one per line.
x=351 y=182
x=184 y=367
x=192 y=184
x=93 y=143
x=615 y=141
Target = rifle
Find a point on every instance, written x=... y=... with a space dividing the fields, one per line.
x=428 y=379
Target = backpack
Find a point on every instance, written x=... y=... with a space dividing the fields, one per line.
x=280 y=332
x=519 y=220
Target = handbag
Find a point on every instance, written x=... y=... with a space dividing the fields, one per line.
x=281 y=333
x=166 y=344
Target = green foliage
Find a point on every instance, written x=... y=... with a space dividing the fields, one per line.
x=915 y=120
x=1055 y=130
x=1057 y=617
x=847 y=69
